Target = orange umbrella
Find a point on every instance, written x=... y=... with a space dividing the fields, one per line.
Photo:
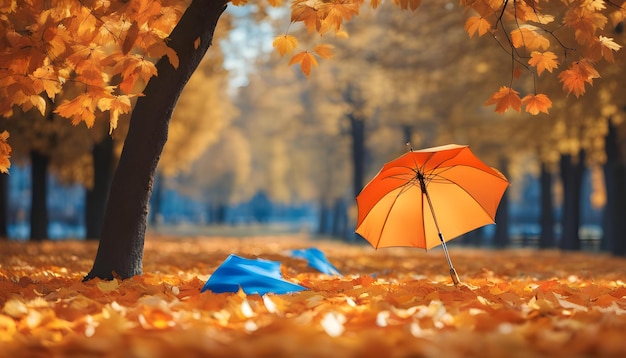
x=395 y=208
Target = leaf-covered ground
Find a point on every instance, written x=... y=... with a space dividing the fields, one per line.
x=389 y=303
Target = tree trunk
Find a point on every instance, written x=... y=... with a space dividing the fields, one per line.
x=120 y=251
x=340 y=219
x=157 y=200
x=357 y=127
x=571 y=176
x=614 y=228
x=546 y=237
x=4 y=205
x=501 y=236
x=96 y=197
x=39 y=195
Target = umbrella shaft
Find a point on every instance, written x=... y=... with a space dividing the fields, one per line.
x=453 y=274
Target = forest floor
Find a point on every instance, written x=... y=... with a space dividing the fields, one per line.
x=396 y=302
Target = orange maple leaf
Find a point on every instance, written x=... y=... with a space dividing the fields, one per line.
x=79 y=109
x=602 y=47
x=585 y=21
x=543 y=61
x=324 y=50
x=477 y=25
x=116 y=105
x=575 y=77
x=407 y=4
x=537 y=103
x=5 y=152
x=529 y=36
x=375 y=3
x=307 y=12
x=285 y=44
x=306 y=61
x=504 y=98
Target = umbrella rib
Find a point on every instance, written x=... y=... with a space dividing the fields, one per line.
x=382 y=229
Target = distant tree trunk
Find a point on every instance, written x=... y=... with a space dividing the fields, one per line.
x=324 y=222
x=340 y=219
x=357 y=126
x=546 y=220
x=96 y=197
x=614 y=237
x=39 y=191
x=501 y=236
x=120 y=251
x=572 y=177
x=4 y=205
x=157 y=200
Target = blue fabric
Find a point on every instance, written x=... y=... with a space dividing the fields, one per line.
x=316 y=259
x=253 y=276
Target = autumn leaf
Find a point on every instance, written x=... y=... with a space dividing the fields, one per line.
x=477 y=25
x=131 y=37
x=536 y=103
x=575 y=77
x=285 y=44
x=306 y=61
x=5 y=152
x=275 y=3
x=307 y=12
x=116 y=105
x=407 y=4
x=529 y=36
x=324 y=50
x=375 y=3
x=79 y=109
x=602 y=47
x=504 y=98
x=543 y=61
x=584 y=21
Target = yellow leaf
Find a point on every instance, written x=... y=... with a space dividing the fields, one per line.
x=285 y=44
x=79 y=109
x=306 y=61
x=537 y=103
x=543 y=61
x=528 y=36
x=477 y=25
x=116 y=105
x=5 y=152
x=324 y=50
x=504 y=98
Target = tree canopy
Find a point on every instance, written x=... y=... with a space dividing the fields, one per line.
x=108 y=50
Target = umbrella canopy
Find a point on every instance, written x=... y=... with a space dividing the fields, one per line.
x=395 y=207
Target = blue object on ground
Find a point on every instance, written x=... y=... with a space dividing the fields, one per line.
x=253 y=276
x=317 y=260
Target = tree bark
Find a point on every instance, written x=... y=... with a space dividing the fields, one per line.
x=614 y=227
x=39 y=194
x=546 y=221
x=96 y=197
x=120 y=251
x=571 y=175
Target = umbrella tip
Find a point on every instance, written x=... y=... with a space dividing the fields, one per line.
x=408 y=144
